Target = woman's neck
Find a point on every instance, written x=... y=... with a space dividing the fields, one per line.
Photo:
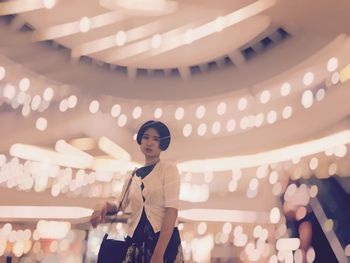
x=151 y=161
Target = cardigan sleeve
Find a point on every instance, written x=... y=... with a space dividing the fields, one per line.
x=171 y=186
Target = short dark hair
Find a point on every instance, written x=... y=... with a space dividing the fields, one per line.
x=161 y=128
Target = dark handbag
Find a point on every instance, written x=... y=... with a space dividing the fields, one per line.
x=114 y=251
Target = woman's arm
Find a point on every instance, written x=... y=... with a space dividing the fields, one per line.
x=101 y=210
x=166 y=231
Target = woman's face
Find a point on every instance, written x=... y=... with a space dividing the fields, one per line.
x=150 y=143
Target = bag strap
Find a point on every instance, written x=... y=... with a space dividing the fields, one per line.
x=126 y=190
x=122 y=200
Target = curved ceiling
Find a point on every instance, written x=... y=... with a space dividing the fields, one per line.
x=238 y=75
x=260 y=98
x=246 y=36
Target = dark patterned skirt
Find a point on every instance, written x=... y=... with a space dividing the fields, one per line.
x=145 y=240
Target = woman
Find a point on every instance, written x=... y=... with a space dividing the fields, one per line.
x=154 y=198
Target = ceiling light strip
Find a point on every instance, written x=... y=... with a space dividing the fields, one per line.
x=130 y=35
x=223 y=215
x=274 y=156
x=20 y=6
x=177 y=40
x=44 y=212
x=71 y=28
x=34 y=153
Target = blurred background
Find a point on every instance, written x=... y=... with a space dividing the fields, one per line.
x=255 y=93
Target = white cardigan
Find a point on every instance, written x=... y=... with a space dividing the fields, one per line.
x=161 y=190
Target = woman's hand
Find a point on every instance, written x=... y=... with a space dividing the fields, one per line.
x=100 y=212
x=98 y=215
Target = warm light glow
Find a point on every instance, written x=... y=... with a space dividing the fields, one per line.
x=222 y=215
x=194 y=193
x=72 y=101
x=244 y=123
x=136 y=113
x=111 y=148
x=158 y=113
x=232 y=186
x=36 y=102
x=332 y=170
x=70 y=213
x=328 y=225
x=310 y=255
x=285 y=89
x=231 y=125
x=202 y=129
x=94 y=106
x=273 y=177
x=24 y=84
x=227 y=228
x=41 y=124
x=156 y=41
x=84 y=24
x=265 y=96
x=202 y=228
x=272 y=117
x=313 y=163
x=49 y=3
x=48 y=94
x=18 y=248
x=313 y=191
x=216 y=127
x=63 y=105
x=221 y=109
x=200 y=112
x=275 y=215
x=320 y=94
x=179 y=113
x=120 y=38
x=335 y=78
x=340 y=151
x=115 y=110
x=259 y=119
x=62 y=146
x=283 y=244
x=307 y=99
x=308 y=78
x=53 y=229
x=253 y=184
x=242 y=104
x=34 y=153
x=9 y=91
x=287 y=112
x=344 y=74
x=122 y=119
x=187 y=130
x=332 y=64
